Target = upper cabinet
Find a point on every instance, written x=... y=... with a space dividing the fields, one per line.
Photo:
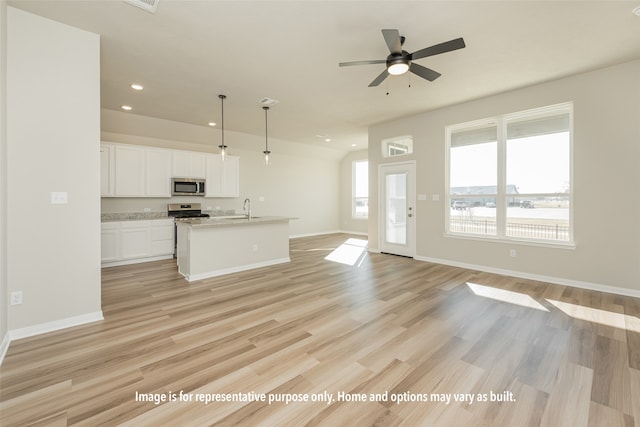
x=138 y=171
x=158 y=173
x=223 y=177
x=188 y=164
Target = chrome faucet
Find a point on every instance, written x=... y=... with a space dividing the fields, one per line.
x=247 y=203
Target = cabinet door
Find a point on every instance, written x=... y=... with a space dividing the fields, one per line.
x=158 y=173
x=180 y=164
x=197 y=165
x=231 y=176
x=135 y=242
x=109 y=242
x=214 y=176
x=106 y=170
x=129 y=171
x=188 y=164
x=223 y=177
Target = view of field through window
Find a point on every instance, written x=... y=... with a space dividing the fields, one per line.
x=518 y=187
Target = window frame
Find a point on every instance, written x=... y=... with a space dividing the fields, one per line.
x=354 y=197
x=501 y=122
x=386 y=145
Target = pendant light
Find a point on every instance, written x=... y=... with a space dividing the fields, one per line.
x=223 y=148
x=266 y=138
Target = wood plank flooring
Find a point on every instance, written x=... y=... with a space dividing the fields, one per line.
x=383 y=329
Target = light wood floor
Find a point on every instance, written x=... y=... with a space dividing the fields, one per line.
x=385 y=327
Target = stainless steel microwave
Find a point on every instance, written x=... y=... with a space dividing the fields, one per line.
x=187 y=187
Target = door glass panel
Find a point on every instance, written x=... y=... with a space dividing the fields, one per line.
x=396 y=208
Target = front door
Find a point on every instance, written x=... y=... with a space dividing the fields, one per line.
x=397 y=210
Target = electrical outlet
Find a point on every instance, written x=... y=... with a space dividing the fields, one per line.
x=16 y=298
x=513 y=253
x=147 y=209
x=255 y=247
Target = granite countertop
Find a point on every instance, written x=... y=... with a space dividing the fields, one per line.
x=225 y=221
x=132 y=216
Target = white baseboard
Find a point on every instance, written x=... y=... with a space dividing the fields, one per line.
x=320 y=233
x=4 y=346
x=539 y=277
x=223 y=271
x=43 y=328
x=135 y=261
x=355 y=233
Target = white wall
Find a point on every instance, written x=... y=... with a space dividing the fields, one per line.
x=301 y=182
x=3 y=178
x=53 y=134
x=347 y=222
x=606 y=177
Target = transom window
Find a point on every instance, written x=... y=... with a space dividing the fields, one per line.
x=398 y=146
x=509 y=177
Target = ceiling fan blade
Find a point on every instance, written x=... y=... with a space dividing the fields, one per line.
x=373 y=61
x=392 y=37
x=438 y=49
x=379 y=79
x=424 y=72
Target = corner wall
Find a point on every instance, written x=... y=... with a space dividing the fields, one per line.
x=53 y=134
x=605 y=182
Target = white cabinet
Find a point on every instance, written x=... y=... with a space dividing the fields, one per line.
x=138 y=171
x=157 y=173
x=128 y=242
x=129 y=171
x=135 y=239
x=135 y=171
x=107 y=182
x=188 y=164
x=162 y=235
x=223 y=177
x=109 y=241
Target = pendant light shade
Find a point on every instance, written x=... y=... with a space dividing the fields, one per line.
x=223 y=148
x=266 y=151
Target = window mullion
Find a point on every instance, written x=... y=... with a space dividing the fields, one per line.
x=501 y=199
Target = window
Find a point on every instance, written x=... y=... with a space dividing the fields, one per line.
x=398 y=146
x=510 y=176
x=360 y=204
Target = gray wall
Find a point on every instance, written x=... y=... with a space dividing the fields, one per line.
x=53 y=134
x=302 y=181
x=605 y=181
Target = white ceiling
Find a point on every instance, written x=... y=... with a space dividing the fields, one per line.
x=188 y=52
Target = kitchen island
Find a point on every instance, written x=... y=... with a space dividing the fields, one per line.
x=209 y=247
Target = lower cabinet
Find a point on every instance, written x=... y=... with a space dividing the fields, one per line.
x=128 y=242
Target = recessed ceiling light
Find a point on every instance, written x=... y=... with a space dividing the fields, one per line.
x=636 y=11
x=327 y=140
x=127 y=107
x=212 y=124
x=354 y=145
x=137 y=86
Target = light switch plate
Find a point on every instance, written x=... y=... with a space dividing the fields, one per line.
x=422 y=197
x=435 y=197
x=59 y=197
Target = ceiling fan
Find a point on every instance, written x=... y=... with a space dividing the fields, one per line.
x=400 y=61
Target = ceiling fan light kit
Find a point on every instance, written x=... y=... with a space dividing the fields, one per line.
x=400 y=61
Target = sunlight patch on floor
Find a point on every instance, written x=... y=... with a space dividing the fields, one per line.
x=503 y=295
x=596 y=315
x=351 y=252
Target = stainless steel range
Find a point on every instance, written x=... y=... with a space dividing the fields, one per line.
x=181 y=212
